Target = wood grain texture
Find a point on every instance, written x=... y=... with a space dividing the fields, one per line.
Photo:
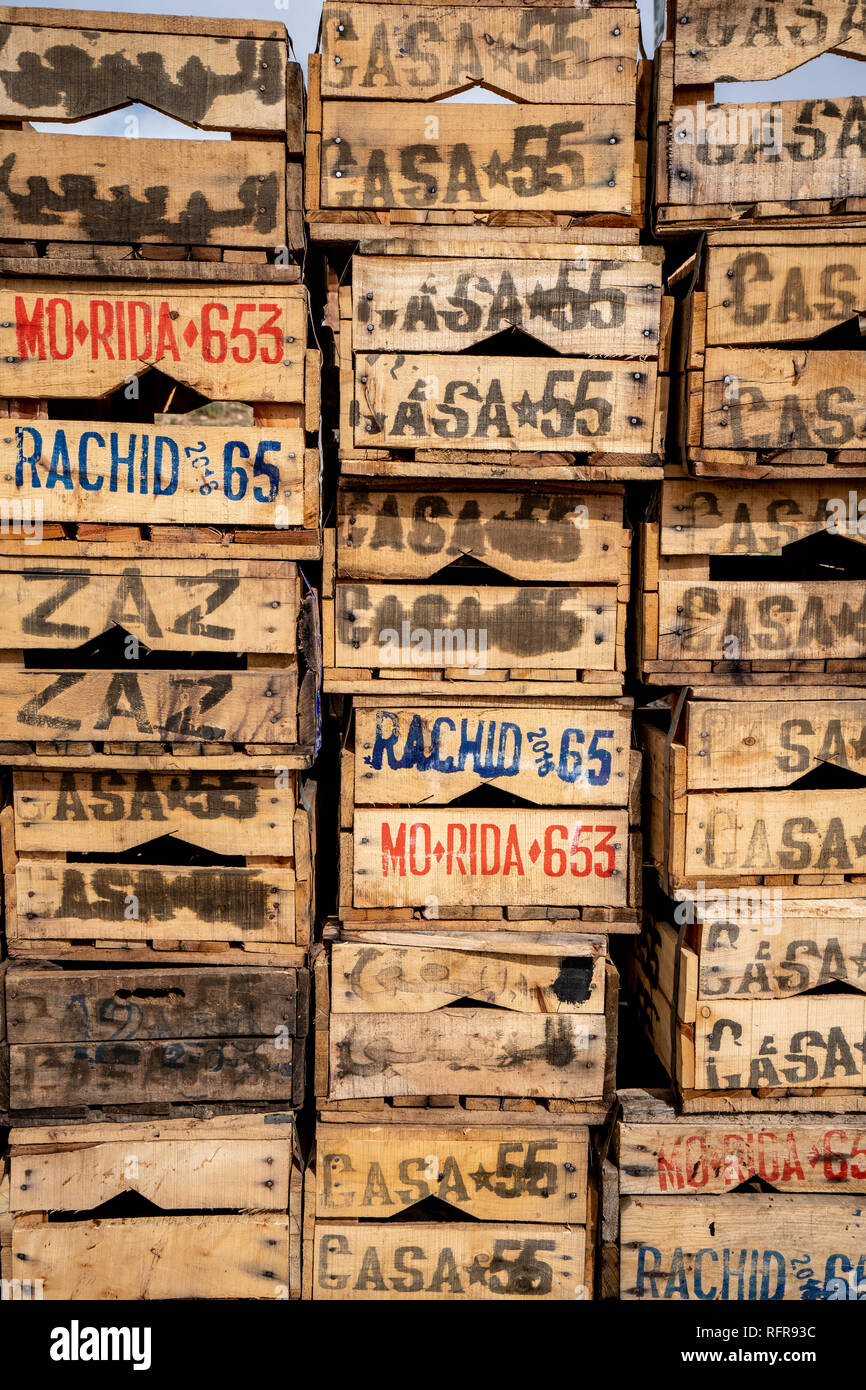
x=773 y=292
x=721 y=517
x=771 y=399
x=763 y=832
x=725 y=620
x=770 y=743
x=743 y=43
x=802 y=1042
x=229 y=342
x=485 y=158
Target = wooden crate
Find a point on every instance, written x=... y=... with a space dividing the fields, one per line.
x=224 y=1218
x=144 y=452
x=412 y=401
x=408 y=859
x=746 y=585
x=747 y=1208
x=526 y=1201
x=722 y=801
x=141 y=866
x=158 y=654
x=151 y=1040
x=217 y=200
x=756 y=392
x=729 y=1049
x=569 y=146
x=388 y=1038
x=776 y=163
x=565 y=634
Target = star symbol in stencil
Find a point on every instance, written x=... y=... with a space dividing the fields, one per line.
x=527 y=410
x=861 y=1046
x=481 y=1178
x=860 y=962
x=501 y=53
x=477 y=1271
x=858 y=745
x=496 y=171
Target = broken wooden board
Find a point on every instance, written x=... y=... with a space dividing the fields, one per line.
x=470 y=1261
x=213 y=1256
x=568 y=537
x=732 y=620
x=150 y=903
x=713 y=517
x=418 y=857
x=769 y=398
x=595 y=302
x=742 y=42
x=228 y=342
x=750 y=1246
x=504 y=157
x=442 y=401
x=770 y=743
x=777 y=956
x=408 y=754
x=66 y=471
x=416 y=979
x=188 y=1034
x=660 y=1155
x=381 y=1171
x=150 y=706
x=431 y=51
x=166 y=605
x=104 y=189
x=476 y=628
x=50 y=73
x=110 y=812
x=774 y=292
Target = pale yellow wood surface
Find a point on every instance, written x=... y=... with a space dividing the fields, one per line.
x=82 y=901
x=589 y=302
x=229 y=813
x=150 y=706
x=479 y=157
x=512 y=739
x=773 y=293
x=775 y=957
x=153 y=474
x=64 y=340
x=753 y=1246
x=167 y=605
x=717 y=517
x=482 y=1051
x=812 y=1041
x=812 y=620
x=442 y=401
x=575 y=536
x=432 y=1261
x=773 y=399
x=405 y=859
x=380 y=1170
x=770 y=743
x=143 y=1257
x=409 y=979
x=426 y=51
x=477 y=627
x=768 y=832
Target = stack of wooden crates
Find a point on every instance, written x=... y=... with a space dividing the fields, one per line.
x=751 y=642
x=159 y=671
x=498 y=366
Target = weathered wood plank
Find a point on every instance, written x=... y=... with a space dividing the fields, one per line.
x=781 y=152
x=546 y=755
x=425 y=52
x=485 y=158
x=574 y=536
x=461 y=1261
x=770 y=743
x=816 y=1040
x=50 y=74
x=479 y=628
x=191 y=192
x=768 y=398
x=243 y=342
x=755 y=1246
x=763 y=832
x=591 y=302
x=379 y=1171
x=742 y=42
x=498 y=857
x=237 y=1256
x=713 y=517
x=152 y=903
x=167 y=605
x=152 y=474
x=228 y=813
x=446 y=401
x=773 y=293
x=417 y=979
x=776 y=956
x=483 y=1050
x=150 y=706
x=730 y=620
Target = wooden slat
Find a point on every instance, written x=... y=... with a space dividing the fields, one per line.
x=735 y=620
x=770 y=743
x=812 y=1041
x=772 y=292
x=743 y=43
x=756 y=398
